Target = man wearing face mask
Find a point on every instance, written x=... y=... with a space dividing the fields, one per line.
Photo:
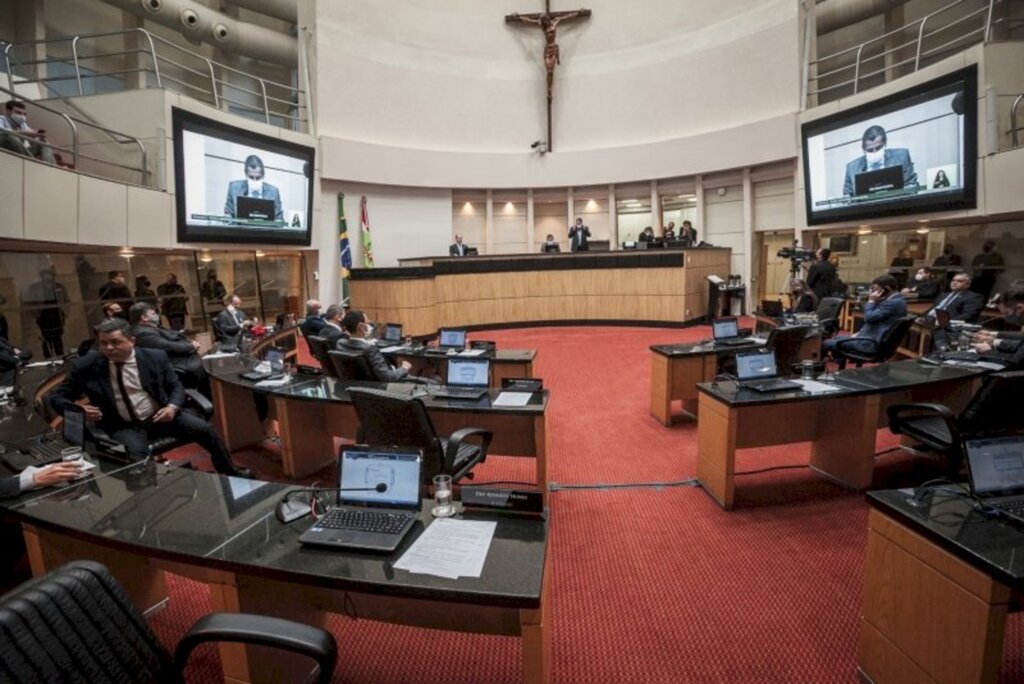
x=359 y=330
x=253 y=186
x=878 y=156
x=16 y=135
x=183 y=352
x=925 y=287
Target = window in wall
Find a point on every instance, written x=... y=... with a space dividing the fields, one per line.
x=633 y=214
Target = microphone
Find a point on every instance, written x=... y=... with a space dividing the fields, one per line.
x=289 y=510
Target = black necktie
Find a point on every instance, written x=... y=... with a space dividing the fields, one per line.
x=124 y=392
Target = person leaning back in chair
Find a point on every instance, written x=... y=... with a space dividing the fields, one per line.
x=359 y=330
x=885 y=307
x=135 y=396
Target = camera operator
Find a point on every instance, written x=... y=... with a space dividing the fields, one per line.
x=821 y=277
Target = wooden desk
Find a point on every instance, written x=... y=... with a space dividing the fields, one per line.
x=841 y=426
x=939 y=583
x=505 y=363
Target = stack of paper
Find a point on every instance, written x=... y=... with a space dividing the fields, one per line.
x=274 y=382
x=450 y=548
x=473 y=352
x=815 y=387
x=512 y=399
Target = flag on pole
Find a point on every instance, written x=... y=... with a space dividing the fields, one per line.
x=364 y=223
x=346 y=249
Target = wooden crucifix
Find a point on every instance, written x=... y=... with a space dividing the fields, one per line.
x=548 y=22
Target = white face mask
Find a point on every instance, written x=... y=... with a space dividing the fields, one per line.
x=255 y=186
x=876 y=157
x=153 y=318
x=19 y=119
x=919 y=276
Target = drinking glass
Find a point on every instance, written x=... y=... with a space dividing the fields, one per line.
x=443 y=507
x=807 y=370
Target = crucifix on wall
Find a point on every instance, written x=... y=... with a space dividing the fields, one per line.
x=548 y=22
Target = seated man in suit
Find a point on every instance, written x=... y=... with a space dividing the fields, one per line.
x=925 y=287
x=961 y=304
x=134 y=396
x=358 y=330
x=332 y=331
x=231 y=323
x=885 y=306
x=1004 y=346
x=253 y=186
x=313 y=322
x=183 y=352
x=457 y=248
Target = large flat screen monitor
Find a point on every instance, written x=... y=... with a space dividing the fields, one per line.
x=908 y=153
x=237 y=186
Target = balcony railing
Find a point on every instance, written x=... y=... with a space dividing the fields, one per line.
x=136 y=58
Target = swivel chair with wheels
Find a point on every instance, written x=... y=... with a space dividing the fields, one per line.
x=862 y=350
x=350 y=365
x=787 y=344
x=78 y=624
x=319 y=347
x=387 y=418
x=829 y=309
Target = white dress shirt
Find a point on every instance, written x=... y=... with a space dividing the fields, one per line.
x=143 y=404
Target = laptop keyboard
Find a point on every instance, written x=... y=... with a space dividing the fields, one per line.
x=48 y=451
x=771 y=385
x=733 y=341
x=456 y=392
x=1014 y=508
x=385 y=522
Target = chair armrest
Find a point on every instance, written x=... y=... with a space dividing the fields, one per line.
x=194 y=399
x=899 y=413
x=456 y=439
x=854 y=353
x=261 y=630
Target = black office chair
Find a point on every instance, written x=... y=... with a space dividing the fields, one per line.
x=78 y=624
x=874 y=352
x=829 y=309
x=387 y=418
x=319 y=347
x=787 y=343
x=994 y=409
x=350 y=365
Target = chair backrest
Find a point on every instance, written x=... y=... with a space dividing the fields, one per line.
x=893 y=337
x=318 y=347
x=787 y=344
x=350 y=365
x=77 y=624
x=995 y=407
x=398 y=420
x=828 y=308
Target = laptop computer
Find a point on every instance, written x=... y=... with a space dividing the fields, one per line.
x=879 y=180
x=451 y=338
x=392 y=333
x=47 y=449
x=468 y=378
x=726 y=331
x=771 y=307
x=380 y=505
x=995 y=466
x=253 y=208
x=756 y=370
x=274 y=358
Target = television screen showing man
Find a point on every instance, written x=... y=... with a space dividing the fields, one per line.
x=241 y=193
x=878 y=156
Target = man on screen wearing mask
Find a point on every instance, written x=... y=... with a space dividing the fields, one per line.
x=878 y=156
x=253 y=186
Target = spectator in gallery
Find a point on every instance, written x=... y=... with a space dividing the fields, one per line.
x=670 y=231
x=946 y=264
x=579 y=237
x=253 y=186
x=987 y=266
x=457 y=248
x=900 y=267
x=550 y=244
x=941 y=181
x=173 y=302
x=688 y=234
x=115 y=290
x=144 y=291
x=877 y=155
x=17 y=135
x=48 y=300
x=213 y=289
x=647 y=235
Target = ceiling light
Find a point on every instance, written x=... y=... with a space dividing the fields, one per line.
x=863 y=231
x=260 y=254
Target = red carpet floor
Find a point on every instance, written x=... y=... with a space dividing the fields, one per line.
x=648 y=584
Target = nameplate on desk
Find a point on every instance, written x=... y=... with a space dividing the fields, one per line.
x=511 y=500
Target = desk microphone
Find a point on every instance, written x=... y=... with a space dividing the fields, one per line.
x=289 y=510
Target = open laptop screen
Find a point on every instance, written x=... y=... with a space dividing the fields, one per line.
x=74 y=426
x=472 y=372
x=755 y=365
x=450 y=337
x=393 y=332
x=368 y=468
x=275 y=357
x=724 y=328
x=996 y=465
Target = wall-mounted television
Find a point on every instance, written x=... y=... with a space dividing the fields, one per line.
x=234 y=185
x=912 y=152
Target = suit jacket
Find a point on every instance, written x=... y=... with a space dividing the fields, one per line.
x=312 y=325
x=240 y=188
x=382 y=370
x=927 y=289
x=880 y=316
x=453 y=249
x=174 y=299
x=579 y=238
x=178 y=348
x=10 y=486
x=111 y=291
x=90 y=376
x=821 y=278
x=966 y=307
x=1014 y=359
x=228 y=328
x=893 y=157
x=331 y=334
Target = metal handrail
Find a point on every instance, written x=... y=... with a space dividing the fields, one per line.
x=1013 y=119
x=823 y=69
x=76 y=153
x=210 y=70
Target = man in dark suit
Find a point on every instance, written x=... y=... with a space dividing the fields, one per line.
x=358 y=330
x=925 y=287
x=134 y=396
x=457 y=248
x=878 y=156
x=231 y=323
x=579 y=237
x=313 y=322
x=961 y=303
x=183 y=352
x=115 y=290
x=173 y=302
x=821 y=276
x=332 y=330
x=1004 y=346
x=885 y=306
x=253 y=186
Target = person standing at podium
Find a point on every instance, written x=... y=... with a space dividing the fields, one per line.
x=579 y=237
x=457 y=248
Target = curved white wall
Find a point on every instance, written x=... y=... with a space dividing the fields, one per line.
x=646 y=88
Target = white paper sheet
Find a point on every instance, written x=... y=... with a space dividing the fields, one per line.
x=473 y=352
x=512 y=399
x=815 y=387
x=450 y=548
x=392 y=349
x=274 y=382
